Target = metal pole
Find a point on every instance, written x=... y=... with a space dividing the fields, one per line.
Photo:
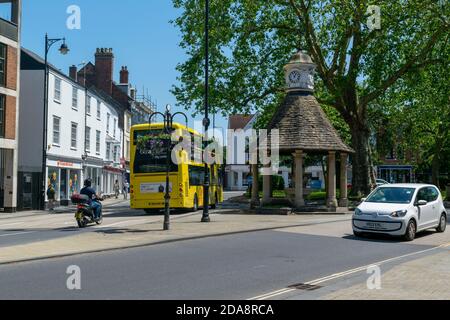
x=205 y=216
x=167 y=126
x=44 y=122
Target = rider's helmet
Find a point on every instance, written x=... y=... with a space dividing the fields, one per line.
x=87 y=182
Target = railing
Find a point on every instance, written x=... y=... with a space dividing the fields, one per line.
x=9 y=29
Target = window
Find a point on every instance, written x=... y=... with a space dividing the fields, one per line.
x=114 y=128
x=74 y=131
x=108 y=116
x=115 y=154
x=57 y=94
x=88 y=105
x=98 y=110
x=129 y=124
x=196 y=175
x=97 y=142
x=87 y=139
x=74 y=98
x=2 y=115
x=56 y=130
x=108 y=151
x=127 y=149
x=2 y=64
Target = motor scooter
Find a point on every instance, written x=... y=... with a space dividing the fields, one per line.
x=85 y=214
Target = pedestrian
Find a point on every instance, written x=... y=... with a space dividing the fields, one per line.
x=51 y=197
x=116 y=189
x=125 y=190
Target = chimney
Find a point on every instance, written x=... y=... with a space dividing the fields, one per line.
x=104 y=65
x=124 y=75
x=73 y=72
x=133 y=93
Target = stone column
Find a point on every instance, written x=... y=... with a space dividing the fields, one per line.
x=332 y=202
x=298 y=159
x=239 y=181
x=255 y=186
x=343 y=201
x=267 y=190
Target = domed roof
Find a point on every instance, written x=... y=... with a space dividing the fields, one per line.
x=301 y=57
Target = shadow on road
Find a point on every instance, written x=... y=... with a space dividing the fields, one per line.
x=373 y=237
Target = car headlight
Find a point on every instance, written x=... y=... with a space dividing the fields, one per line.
x=399 y=213
x=358 y=212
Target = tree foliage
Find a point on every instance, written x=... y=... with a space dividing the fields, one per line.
x=251 y=41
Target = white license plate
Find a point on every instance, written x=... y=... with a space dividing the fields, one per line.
x=157 y=187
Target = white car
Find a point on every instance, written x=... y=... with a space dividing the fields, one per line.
x=400 y=210
x=380 y=182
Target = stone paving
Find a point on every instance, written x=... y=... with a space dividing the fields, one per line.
x=420 y=279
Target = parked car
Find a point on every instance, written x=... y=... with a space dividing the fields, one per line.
x=400 y=210
x=380 y=182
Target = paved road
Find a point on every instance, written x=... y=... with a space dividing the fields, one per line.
x=22 y=230
x=226 y=267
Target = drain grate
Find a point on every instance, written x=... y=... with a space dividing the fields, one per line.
x=304 y=286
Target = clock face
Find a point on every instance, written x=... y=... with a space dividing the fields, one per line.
x=295 y=76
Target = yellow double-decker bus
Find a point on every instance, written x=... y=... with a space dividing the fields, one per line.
x=148 y=168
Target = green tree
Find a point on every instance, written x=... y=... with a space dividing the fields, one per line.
x=251 y=40
x=420 y=113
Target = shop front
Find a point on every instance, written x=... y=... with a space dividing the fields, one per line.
x=66 y=179
x=110 y=176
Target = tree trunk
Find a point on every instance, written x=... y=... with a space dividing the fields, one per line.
x=360 y=159
x=435 y=170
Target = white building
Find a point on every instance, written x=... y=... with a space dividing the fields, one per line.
x=83 y=135
x=237 y=173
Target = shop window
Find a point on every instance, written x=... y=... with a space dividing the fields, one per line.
x=53 y=179
x=74 y=182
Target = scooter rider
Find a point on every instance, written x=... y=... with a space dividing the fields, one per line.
x=94 y=203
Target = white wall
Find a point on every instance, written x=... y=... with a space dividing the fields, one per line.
x=67 y=115
x=31 y=120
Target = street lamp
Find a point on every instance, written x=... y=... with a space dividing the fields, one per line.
x=168 y=127
x=206 y=121
x=64 y=49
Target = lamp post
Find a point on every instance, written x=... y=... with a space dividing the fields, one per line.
x=206 y=121
x=168 y=127
x=64 y=49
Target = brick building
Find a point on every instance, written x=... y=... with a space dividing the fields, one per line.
x=101 y=76
x=9 y=96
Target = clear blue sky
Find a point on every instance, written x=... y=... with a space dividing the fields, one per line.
x=139 y=31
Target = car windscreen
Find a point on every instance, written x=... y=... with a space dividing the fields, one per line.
x=151 y=152
x=391 y=195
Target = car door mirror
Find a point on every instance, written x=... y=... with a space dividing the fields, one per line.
x=363 y=199
x=421 y=202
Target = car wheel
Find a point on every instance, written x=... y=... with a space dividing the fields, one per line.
x=442 y=223
x=410 y=231
x=358 y=234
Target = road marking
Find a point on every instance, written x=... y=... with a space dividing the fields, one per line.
x=16 y=234
x=344 y=273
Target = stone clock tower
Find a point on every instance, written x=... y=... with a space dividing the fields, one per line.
x=299 y=73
